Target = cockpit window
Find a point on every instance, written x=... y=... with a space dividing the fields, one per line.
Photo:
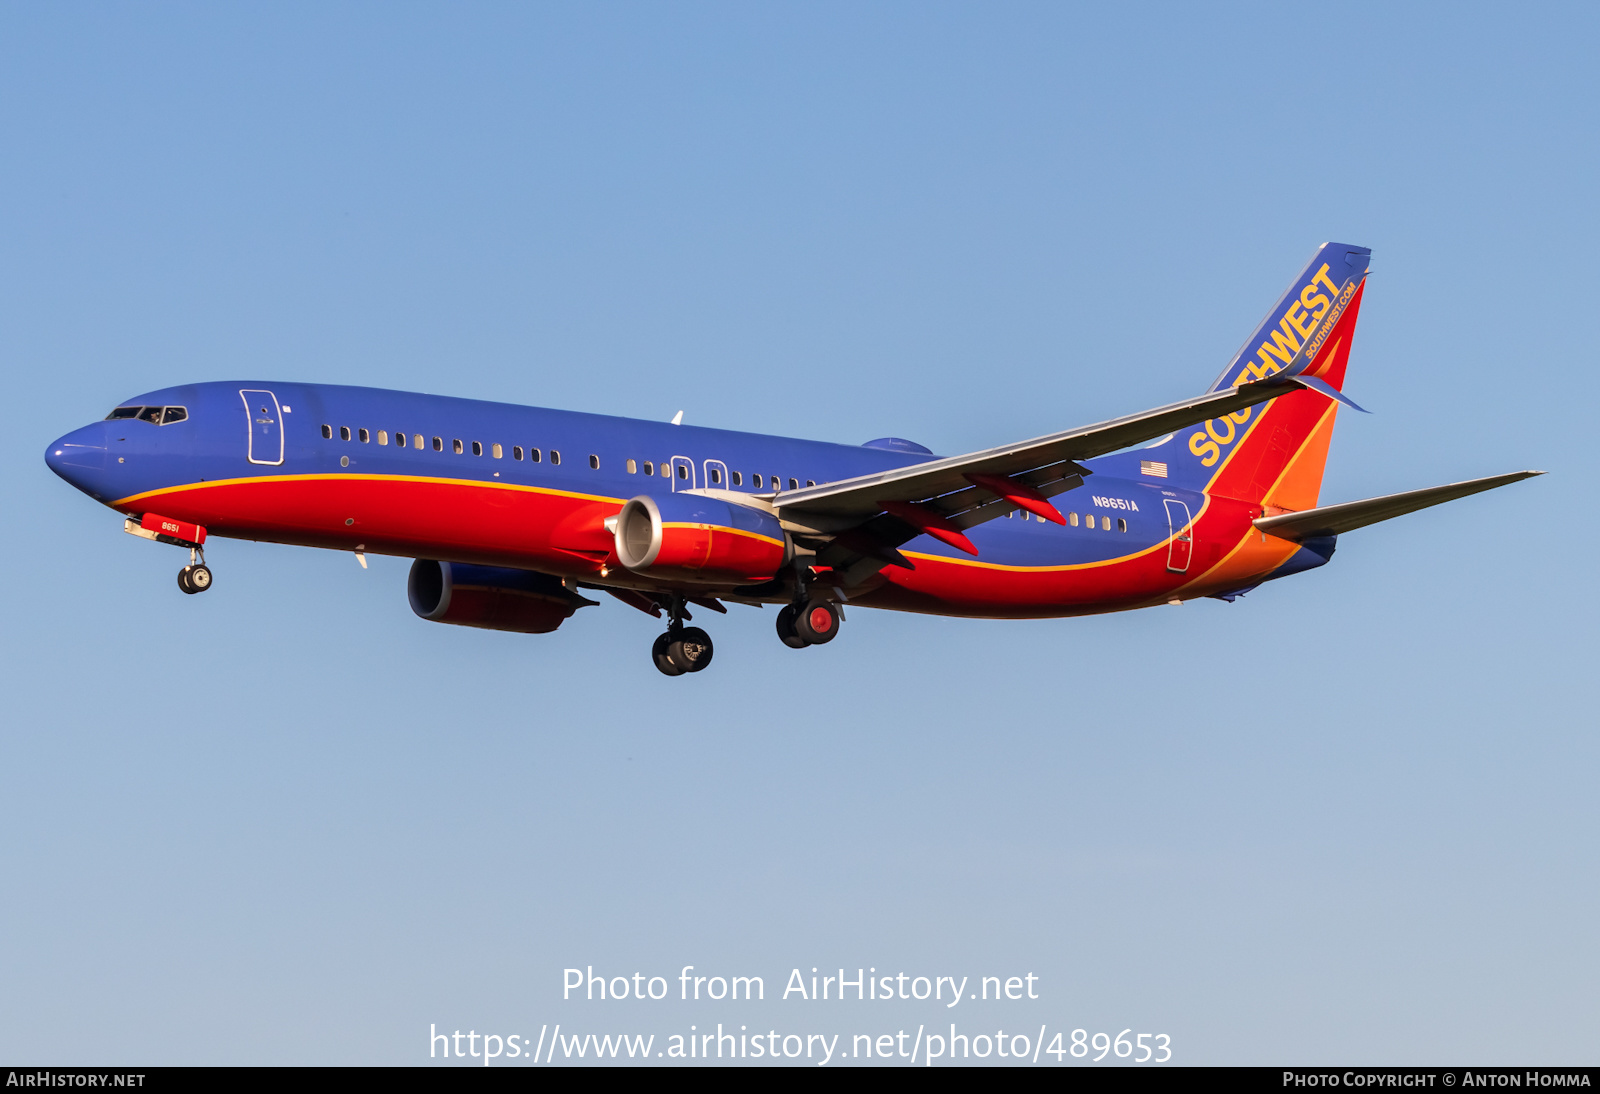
x=155 y=415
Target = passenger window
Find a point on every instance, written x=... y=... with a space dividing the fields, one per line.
x=794 y=484
x=174 y=414
x=416 y=441
x=122 y=412
x=737 y=479
x=649 y=468
x=666 y=471
x=365 y=436
x=755 y=480
x=477 y=448
x=383 y=436
x=594 y=462
x=498 y=452
x=716 y=476
x=534 y=455
x=516 y=452
x=455 y=445
x=1105 y=524
x=344 y=433
x=151 y=414
x=683 y=471
x=1122 y=524
x=555 y=457
x=810 y=483
x=1072 y=519
x=633 y=467
x=438 y=444
x=327 y=432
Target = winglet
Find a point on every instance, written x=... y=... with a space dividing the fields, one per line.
x=1324 y=388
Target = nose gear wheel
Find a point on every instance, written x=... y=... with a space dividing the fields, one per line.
x=195 y=577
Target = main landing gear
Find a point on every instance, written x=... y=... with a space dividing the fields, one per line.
x=811 y=623
x=682 y=649
x=195 y=577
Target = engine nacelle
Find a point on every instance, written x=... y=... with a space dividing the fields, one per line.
x=688 y=537
x=490 y=597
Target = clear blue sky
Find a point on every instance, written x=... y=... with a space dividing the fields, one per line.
x=1349 y=818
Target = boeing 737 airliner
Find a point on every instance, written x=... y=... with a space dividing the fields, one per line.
x=514 y=513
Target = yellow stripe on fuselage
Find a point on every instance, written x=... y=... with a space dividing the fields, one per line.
x=167 y=490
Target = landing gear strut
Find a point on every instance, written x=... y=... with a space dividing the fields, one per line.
x=195 y=577
x=682 y=649
x=811 y=623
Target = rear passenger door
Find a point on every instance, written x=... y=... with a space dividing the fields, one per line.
x=1180 y=538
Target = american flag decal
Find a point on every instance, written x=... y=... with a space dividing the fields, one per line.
x=1153 y=467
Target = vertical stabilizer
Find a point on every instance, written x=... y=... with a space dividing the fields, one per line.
x=1274 y=453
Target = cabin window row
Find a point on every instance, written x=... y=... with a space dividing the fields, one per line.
x=1087 y=520
x=421 y=442
x=714 y=474
x=666 y=469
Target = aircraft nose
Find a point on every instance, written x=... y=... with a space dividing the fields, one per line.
x=79 y=456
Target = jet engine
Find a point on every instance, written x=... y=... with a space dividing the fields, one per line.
x=490 y=597
x=692 y=538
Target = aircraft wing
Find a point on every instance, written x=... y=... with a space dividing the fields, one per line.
x=1331 y=520
x=1045 y=465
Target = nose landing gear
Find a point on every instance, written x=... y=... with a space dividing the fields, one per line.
x=195 y=577
x=682 y=649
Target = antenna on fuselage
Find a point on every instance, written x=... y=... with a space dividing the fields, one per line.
x=677 y=419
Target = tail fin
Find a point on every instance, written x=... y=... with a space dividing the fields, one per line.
x=1273 y=454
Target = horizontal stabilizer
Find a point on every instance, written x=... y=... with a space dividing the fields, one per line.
x=1332 y=520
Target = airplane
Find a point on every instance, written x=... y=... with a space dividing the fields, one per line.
x=513 y=513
